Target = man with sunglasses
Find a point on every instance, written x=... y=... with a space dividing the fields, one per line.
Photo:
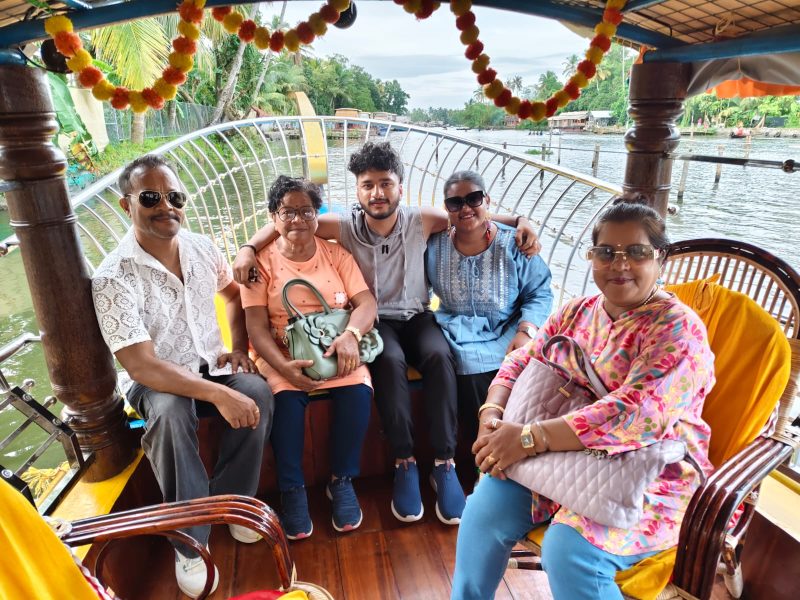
x=388 y=242
x=154 y=299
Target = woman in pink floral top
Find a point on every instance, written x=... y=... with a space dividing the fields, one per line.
x=652 y=354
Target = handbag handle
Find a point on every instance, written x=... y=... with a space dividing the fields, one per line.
x=291 y=309
x=583 y=362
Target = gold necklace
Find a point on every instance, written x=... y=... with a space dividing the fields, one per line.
x=648 y=299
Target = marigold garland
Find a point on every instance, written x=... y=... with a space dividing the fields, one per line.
x=181 y=60
x=495 y=90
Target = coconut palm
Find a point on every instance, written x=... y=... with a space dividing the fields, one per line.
x=515 y=84
x=570 y=65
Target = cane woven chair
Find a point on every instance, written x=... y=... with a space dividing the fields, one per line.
x=707 y=545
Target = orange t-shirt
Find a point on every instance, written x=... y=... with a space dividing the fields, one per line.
x=332 y=270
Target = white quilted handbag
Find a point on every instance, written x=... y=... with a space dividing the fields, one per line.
x=606 y=489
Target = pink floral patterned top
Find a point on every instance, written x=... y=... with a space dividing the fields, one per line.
x=658 y=367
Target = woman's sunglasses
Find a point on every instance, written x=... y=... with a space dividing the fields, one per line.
x=637 y=253
x=150 y=198
x=456 y=203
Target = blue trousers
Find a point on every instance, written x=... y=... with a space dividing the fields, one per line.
x=497 y=515
x=351 y=408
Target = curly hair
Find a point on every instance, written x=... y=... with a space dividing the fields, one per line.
x=376 y=157
x=284 y=184
x=148 y=161
x=623 y=210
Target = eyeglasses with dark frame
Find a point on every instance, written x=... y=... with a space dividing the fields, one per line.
x=307 y=213
x=638 y=253
x=151 y=198
x=473 y=200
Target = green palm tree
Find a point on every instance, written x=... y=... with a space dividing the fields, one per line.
x=570 y=65
x=515 y=84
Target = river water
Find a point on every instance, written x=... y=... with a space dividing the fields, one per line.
x=756 y=205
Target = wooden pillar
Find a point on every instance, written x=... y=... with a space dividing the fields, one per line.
x=656 y=99
x=80 y=366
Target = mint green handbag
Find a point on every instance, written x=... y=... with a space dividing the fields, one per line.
x=309 y=336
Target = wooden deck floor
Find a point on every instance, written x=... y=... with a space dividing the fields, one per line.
x=384 y=559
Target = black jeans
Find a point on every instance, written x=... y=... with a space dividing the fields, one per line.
x=418 y=342
x=472 y=390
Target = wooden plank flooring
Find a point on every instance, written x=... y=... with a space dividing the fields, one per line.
x=383 y=560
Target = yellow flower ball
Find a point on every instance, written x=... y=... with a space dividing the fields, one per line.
x=182 y=62
x=412 y=6
x=538 y=111
x=138 y=104
x=57 y=24
x=616 y=3
x=103 y=90
x=166 y=90
x=480 y=63
x=189 y=30
x=317 y=24
x=232 y=21
x=80 y=61
x=340 y=5
x=594 y=55
x=291 y=41
x=562 y=98
x=460 y=7
x=494 y=89
x=606 y=29
x=512 y=107
x=580 y=80
x=262 y=38
x=470 y=35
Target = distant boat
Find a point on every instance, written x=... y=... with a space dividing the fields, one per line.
x=555 y=131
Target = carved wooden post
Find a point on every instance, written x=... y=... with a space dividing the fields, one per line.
x=80 y=366
x=656 y=98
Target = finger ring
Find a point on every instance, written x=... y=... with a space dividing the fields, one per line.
x=492 y=459
x=495 y=422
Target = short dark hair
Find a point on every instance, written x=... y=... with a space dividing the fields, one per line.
x=459 y=176
x=148 y=161
x=625 y=211
x=284 y=184
x=376 y=157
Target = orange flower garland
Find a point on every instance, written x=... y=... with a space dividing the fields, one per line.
x=181 y=61
x=304 y=33
x=164 y=88
x=502 y=96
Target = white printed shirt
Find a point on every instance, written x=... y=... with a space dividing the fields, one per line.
x=137 y=299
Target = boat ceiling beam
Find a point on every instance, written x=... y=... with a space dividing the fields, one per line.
x=635 y=5
x=778 y=41
x=588 y=17
x=101 y=16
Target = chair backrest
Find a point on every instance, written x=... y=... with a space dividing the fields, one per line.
x=753 y=356
x=771 y=282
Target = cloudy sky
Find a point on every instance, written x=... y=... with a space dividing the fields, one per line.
x=427 y=58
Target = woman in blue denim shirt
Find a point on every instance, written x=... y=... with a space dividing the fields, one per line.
x=492 y=297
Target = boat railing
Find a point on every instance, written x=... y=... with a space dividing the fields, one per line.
x=228 y=168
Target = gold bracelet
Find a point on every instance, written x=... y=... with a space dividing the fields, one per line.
x=545 y=443
x=486 y=405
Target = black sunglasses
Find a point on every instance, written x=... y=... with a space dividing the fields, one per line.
x=473 y=200
x=150 y=198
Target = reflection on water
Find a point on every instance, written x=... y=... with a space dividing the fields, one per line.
x=751 y=204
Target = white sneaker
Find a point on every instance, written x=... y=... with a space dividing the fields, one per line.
x=191 y=575
x=243 y=534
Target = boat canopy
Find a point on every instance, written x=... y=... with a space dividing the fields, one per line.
x=739 y=47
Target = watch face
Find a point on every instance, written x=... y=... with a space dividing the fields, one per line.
x=531 y=331
x=527 y=440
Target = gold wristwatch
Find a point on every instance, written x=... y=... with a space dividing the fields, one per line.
x=355 y=331
x=527 y=440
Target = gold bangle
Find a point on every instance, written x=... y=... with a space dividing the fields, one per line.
x=486 y=405
x=545 y=442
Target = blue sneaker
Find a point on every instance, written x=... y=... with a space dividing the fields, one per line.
x=450 y=498
x=347 y=513
x=294 y=508
x=406 y=500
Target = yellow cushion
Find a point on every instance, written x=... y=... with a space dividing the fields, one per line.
x=38 y=565
x=222 y=321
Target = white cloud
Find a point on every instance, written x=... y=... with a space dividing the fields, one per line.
x=427 y=58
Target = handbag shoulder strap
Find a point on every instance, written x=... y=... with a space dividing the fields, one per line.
x=583 y=362
x=291 y=309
